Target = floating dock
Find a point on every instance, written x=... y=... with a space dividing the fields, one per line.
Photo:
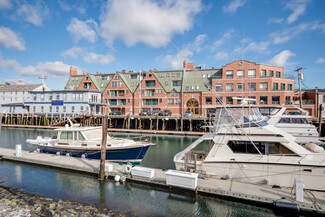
x=314 y=201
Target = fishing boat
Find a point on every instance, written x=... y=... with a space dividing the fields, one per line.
x=246 y=148
x=85 y=142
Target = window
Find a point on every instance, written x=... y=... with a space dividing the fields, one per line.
x=58 y=97
x=264 y=147
x=178 y=74
x=288 y=100
x=275 y=86
x=177 y=83
x=275 y=100
x=149 y=93
x=72 y=109
x=218 y=100
x=263 y=73
x=263 y=100
x=81 y=137
x=203 y=76
x=271 y=73
x=50 y=108
x=81 y=108
x=50 y=97
x=177 y=101
x=240 y=73
x=87 y=85
x=66 y=135
x=56 y=108
x=278 y=74
x=251 y=73
x=114 y=84
x=150 y=83
x=289 y=86
x=218 y=87
x=42 y=108
x=251 y=86
x=166 y=83
x=42 y=97
x=229 y=100
x=34 y=97
x=126 y=92
x=240 y=87
x=150 y=102
x=283 y=86
x=64 y=96
x=229 y=87
x=34 y=109
x=229 y=74
x=119 y=84
x=174 y=93
x=64 y=109
x=134 y=76
x=117 y=77
x=158 y=90
x=170 y=101
x=107 y=92
x=173 y=74
x=263 y=86
x=208 y=100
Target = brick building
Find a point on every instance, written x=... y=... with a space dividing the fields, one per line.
x=188 y=89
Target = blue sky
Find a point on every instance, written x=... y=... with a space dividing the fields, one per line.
x=47 y=37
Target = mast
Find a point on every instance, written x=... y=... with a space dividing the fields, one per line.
x=300 y=77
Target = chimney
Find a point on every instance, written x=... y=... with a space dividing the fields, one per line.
x=189 y=66
x=73 y=71
x=154 y=69
x=97 y=73
x=123 y=71
x=84 y=72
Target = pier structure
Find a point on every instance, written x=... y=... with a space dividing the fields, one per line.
x=118 y=122
x=264 y=195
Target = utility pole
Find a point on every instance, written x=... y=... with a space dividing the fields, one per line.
x=103 y=148
x=300 y=77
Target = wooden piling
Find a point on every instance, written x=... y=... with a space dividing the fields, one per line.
x=320 y=120
x=103 y=148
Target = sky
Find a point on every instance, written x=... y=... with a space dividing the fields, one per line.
x=47 y=37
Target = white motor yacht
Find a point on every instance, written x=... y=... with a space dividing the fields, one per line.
x=85 y=142
x=246 y=148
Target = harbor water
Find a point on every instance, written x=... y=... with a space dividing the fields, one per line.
x=131 y=198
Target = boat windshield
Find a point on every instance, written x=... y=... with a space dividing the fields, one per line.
x=239 y=117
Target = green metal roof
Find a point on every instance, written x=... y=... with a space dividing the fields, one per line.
x=99 y=82
x=132 y=84
x=194 y=80
x=74 y=81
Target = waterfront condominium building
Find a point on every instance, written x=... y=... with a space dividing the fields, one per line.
x=64 y=102
x=191 y=88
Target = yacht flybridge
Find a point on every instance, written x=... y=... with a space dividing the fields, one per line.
x=86 y=142
x=248 y=149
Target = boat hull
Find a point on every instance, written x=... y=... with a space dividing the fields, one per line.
x=264 y=173
x=133 y=154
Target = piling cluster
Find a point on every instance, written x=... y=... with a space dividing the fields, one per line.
x=17 y=203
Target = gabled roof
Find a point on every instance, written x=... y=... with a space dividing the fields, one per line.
x=132 y=84
x=169 y=77
x=99 y=82
x=19 y=87
x=74 y=81
x=194 y=80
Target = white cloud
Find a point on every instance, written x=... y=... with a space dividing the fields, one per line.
x=5 y=4
x=10 y=39
x=68 y=7
x=282 y=58
x=289 y=33
x=147 y=21
x=233 y=6
x=221 y=55
x=227 y=35
x=199 y=42
x=175 y=61
x=83 y=30
x=73 y=52
x=55 y=69
x=98 y=58
x=34 y=14
x=275 y=20
x=298 y=7
x=261 y=47
x=320 y=60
